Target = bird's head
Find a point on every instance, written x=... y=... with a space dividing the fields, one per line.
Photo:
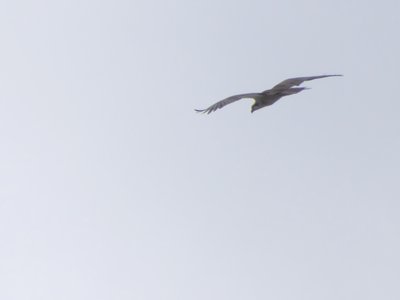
x=254 y=107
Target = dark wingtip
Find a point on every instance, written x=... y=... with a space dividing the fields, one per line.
x=199 y=110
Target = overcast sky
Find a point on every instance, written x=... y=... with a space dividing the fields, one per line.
x=112 y=187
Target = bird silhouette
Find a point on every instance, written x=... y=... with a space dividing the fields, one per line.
x=267 y=97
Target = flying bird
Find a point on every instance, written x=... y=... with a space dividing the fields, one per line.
x=267 y=97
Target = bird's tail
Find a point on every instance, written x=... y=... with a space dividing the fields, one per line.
x=295 y=90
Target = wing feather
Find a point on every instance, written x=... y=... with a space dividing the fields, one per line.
x=288 y=83
x=226 y=101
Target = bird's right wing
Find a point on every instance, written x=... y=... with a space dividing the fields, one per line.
x=227 y=101
x=288 y=83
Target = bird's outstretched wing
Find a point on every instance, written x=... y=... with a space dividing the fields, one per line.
x=288 y=83
x=226 y=101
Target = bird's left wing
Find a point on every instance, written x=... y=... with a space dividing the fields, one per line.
x=288 y=83
x=226 y=101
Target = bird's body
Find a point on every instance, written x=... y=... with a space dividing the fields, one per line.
x=267 y=97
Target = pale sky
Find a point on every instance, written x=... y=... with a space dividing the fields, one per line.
x=112 y=187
